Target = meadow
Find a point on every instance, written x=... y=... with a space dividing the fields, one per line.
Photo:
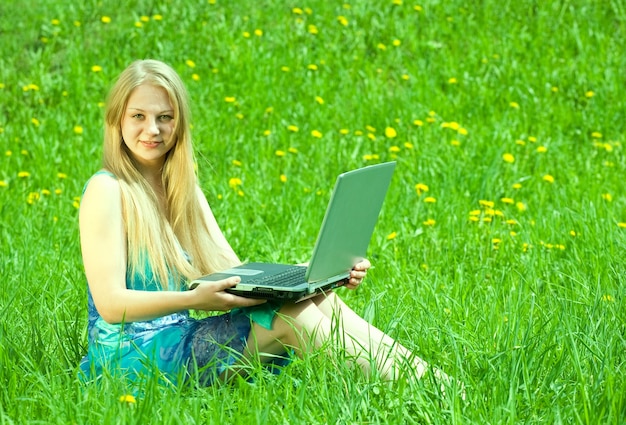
x=499 y=251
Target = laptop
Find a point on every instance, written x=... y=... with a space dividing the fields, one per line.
x=342 y=242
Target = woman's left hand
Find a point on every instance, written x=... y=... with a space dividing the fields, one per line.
x=358 y=273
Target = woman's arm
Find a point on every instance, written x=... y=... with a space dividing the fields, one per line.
x=103 y=244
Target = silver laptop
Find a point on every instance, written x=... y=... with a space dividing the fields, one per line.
x=342 y=242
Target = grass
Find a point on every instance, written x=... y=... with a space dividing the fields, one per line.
x=510 y=114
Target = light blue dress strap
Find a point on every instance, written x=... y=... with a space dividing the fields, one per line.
x=108 y=173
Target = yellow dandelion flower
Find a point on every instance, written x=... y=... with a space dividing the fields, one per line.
x=319 y=100
x=486 y=204
x=55 y=22
x=521 y=206
x=138 y=24
x=312 y=67
x=258 y=32
x=293 y=128
x=127 y=398
x=236 y=163
x=542 y=149
x=297 y=11
x=358 y=133
x=554 y=89
x=473 y=218
x=285 y=68
x=105 y=20
x=514 y=105
x=342 y=20
x=408 y=145
x=312 y=29
x=396 y=43
x=452 y=80
x=596 y=135
x=607 y=298
x=474 y=213
x=23 y=174
x=230 y=99
x=511 y=222
x=344 y=131
x=234 y=182
x=573 y=233
x=394 y=149
x=8 y=153
x=507 y=157
x=463 y=131
x=371 y=136
x=418 y=123
x=392 y=235
x=371 y=157
x=607 y=197
x=35 y=122
x=532 y=139
x=548 y=178
x=390 y=132
x=195 y=77
x=62 y=175
x=96 y=68
x=292 y=150
x=157 y=17
x=190 y=63
x=317 y=134
x=246 y=34
x=520 y=142
x=405 y=77
x=280 y=153
x=4 y=183
x=589 y=94
x=421 y=188
x=78 y=129
x=32 y=197
x=267 y=133
x=58 y=191
x=430 y=200
x=507 y=201
x=621 y=225
x=283 y=178
x=381 y=46
x=429 y=222
x=517 y=186
x=455 y=143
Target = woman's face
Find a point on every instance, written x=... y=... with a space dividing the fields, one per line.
x=148 y=125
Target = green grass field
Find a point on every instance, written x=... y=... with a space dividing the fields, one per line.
x=499 y=252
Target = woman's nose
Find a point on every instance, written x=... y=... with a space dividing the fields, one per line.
x=152 y=126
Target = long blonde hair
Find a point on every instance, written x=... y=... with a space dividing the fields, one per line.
x=162 y=242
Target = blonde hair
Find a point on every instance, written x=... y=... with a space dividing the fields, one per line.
x=155 y=237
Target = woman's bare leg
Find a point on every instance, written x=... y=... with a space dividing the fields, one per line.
x=304 y=327
x=379 y=344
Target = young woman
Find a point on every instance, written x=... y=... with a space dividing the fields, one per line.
x=146 y=229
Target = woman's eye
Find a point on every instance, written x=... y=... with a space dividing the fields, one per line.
x=166 y=118
x=138 y=116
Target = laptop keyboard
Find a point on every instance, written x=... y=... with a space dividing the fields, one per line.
x=289 y=277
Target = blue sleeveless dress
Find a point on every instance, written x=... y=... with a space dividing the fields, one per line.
x=175 y=347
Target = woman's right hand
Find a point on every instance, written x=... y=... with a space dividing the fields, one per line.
x=212 y=296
